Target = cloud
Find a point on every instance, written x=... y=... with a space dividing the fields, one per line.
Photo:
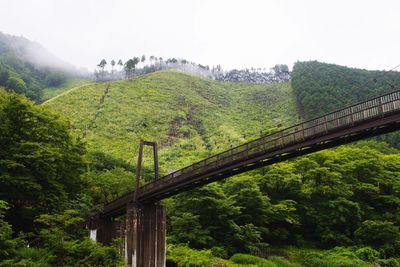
x=235 y=34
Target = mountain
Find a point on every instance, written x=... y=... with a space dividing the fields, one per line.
x=26 y=67
x=189 y=117
x=321 y=88
x=34 y=53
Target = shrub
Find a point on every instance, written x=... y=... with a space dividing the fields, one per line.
x=389 y=262
x=250 y=259
x=16 y=84
x=186 y=257
x=281 y=262
x=32 y=257
x=219 y=252
x=55 y=79
x=382 y=235
x=377 y=233
x=367 y=254
x=338 y=257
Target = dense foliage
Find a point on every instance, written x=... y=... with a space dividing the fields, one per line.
x=186 y=257
x=42 y=190
x=40 y=162
x=348 y=196
x=293 y=257
x=321 y=88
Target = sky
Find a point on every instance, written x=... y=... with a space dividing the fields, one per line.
x=233 y=33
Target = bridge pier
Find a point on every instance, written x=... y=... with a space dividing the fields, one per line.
x=142 y=234
x=104 y=230
x=145 y=235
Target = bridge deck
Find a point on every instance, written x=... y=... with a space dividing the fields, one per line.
x=376 y=116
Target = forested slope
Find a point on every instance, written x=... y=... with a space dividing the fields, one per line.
x=27 y=67
x=321 y=88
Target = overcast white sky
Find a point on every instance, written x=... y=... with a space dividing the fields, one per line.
x=233 y=33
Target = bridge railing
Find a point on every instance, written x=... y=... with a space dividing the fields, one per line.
x=349 y=116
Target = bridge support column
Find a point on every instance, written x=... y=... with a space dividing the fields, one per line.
x=105 y=230
x=145 y=235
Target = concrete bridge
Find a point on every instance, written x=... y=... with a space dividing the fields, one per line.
x=143 y=230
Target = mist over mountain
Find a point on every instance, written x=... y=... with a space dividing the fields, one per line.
x=34 y=53
x=27 y=68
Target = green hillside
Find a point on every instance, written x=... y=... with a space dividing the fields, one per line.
x=189 y=117
x=54 y=91
x=321 y=88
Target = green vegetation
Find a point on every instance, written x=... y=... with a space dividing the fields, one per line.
x=321 y=88
x=54 y=173
x=61 y=244
x=245 y=259
x=297 y=257
x=18 y=77
x=186 y=257
x=42 y=190
x=51 y=92
x=339 y=197
x=23 y=71
x=41 y=162
x=189 y=117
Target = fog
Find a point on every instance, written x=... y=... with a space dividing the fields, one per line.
x=36 y=54
x=234 y=34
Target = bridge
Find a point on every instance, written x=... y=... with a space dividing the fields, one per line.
x=143 y=230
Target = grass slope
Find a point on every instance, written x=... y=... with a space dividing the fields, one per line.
x=52 y=92
x=189 y=117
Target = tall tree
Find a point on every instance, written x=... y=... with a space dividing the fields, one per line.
x=102 y=65
x=136 y=60
x=130 y=66
x=112 y=67
x=120 y=63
